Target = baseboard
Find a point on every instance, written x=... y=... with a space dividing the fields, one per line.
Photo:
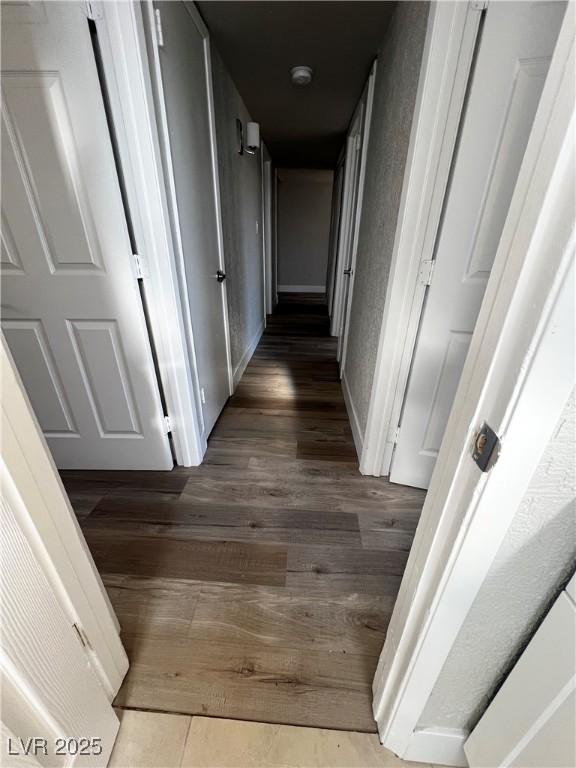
x=241 y=367
x=301 y=289
x=441 y=746
x=353 y=417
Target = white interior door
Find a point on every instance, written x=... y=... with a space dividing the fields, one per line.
x=53 y=707
x=516 y=45
x=189 y=143
x=530 y=722
x=71 y=309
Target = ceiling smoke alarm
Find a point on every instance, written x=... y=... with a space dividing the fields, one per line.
x=301 y=75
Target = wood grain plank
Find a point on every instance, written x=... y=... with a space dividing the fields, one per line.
x=312 y=688
x=260 y=584
x=236 y=562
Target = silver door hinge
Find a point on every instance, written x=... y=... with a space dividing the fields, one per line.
x=426 y=271
x=479 y=5
x=140 y=269
x=168 y=426
x=396 y=436
x=158 y=28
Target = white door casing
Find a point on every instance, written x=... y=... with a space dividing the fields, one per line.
x=182 y=77
x=367 y=101
x=269 y=271
x=71 y=309
x=337 y=191
x=517 y=42
x=530 y=721
x=345 y=234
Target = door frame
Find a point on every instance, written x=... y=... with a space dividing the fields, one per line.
x=128 y=65
x=267 y=216
x=346 y=221
x=521 y=347
x=337 y=199
x=357 y=215
x=29 y=477
x=446 y=63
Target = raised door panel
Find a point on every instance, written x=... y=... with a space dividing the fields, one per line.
x=71 y=306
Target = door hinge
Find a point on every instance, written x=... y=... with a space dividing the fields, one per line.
x=81 y=636
x=479 y=5
x=158 y=28
x=426 y=271
x=168 y=426
x=93 y=10
x=395 y=436
x=140 y=269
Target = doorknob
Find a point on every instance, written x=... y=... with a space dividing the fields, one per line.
x=220 y=276
x=348 y=272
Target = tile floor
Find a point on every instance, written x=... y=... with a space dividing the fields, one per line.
x=158 y=740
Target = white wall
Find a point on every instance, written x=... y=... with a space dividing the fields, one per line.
x=304 y=207
x=533 y=563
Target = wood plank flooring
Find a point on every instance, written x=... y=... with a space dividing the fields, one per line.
x=258 y=586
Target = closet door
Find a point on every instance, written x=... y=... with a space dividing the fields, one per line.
x=71 y=308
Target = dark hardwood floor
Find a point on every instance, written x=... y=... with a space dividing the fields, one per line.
x=259 y=585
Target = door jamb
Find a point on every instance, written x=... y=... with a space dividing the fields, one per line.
x=125 y=60
x=522 y=346
x=337 y=193
x=266 y=174
x=446 y=62
x=358 y=208
x=345 y=216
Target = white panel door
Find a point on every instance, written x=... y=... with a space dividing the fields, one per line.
x=516 y=45
x=531 y=721
x=186 y=104
x=71 y=309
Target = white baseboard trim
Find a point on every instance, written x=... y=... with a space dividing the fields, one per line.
x=353 y=417
x=241 y=367
x=441 y=746
x=301 y=289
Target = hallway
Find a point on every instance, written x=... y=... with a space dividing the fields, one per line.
x=260 y=584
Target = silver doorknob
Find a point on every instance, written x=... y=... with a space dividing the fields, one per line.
x=348 y=272
x=220 y=276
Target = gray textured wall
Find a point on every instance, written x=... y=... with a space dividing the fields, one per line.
x=304 y=206
x=241 y=196
x=533 y=563
x=399 y=61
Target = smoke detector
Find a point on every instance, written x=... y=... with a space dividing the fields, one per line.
x=301 y=75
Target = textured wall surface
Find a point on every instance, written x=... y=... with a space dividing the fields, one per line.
x=304 y=207
x=394 y=98
x=241 y=196
x=533 y=563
